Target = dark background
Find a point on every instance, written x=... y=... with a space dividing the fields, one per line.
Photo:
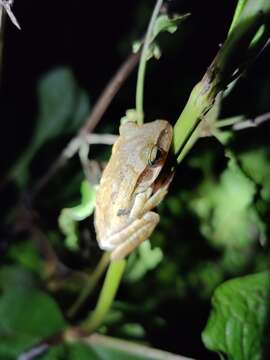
x=93 y=38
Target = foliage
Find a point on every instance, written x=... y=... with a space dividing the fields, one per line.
x=228 y=205
x=63 y=107
x=238 y=320
x=23 y=326
x=212 y=238
x=69 y=217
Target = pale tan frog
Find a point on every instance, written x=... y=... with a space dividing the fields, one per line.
x=131 y=186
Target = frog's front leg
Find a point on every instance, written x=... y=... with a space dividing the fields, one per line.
x=135 y=234
x=144 y=202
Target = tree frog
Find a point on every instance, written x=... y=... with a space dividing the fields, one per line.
x=132 y=184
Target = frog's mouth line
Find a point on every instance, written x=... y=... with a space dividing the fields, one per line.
x=157 y=175
x=166 y=174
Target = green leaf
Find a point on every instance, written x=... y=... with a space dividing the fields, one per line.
x=166 y=24
x=206 y=276
x=57 y=93
x=26 y=254
x=27 y=315
x=162 y=24
x=153 y=50
x=69 y=217
x=15 y=277
x=81 y=111
x=237 y=322
x=228 y=217
x=132 y=330
x=144 y=260
x=63 y=107
x=248 y=9
x=75 y=351
x=256 y=164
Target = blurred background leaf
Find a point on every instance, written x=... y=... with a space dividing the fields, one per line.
x=69 y=217
x=63 y=108
x=28 y=315
x=238 y=322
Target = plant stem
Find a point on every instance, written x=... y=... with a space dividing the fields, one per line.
x=109 y=92
x=106 y=297
x=98 y=111
x=143 y=61
x=233 y=54
x=92 y=282
x=239 y=7
x=131 y=349
x=229 y=121
x=202 y=98
x=189 y=119
x=116 y=268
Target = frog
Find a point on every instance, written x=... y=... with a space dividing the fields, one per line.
x=133 y=183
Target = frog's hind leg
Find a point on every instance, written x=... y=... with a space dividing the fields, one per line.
x=143 y=229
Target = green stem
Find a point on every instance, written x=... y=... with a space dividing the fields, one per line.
x=229 y=121
x=188 y=121
x=91 y=284
x=203 y=96
x=106 y=297
x=239 y=7
x=233 y=54
x=143 y=61
x=116 y=268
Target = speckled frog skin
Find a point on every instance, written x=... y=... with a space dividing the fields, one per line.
x=127 y=194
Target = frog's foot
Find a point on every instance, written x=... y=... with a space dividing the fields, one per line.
x=138 y=207
x=155 y=199
x=139 y=231
x=144 y=202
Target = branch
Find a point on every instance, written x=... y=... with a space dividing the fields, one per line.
x=237 y=52
x=74 y=335
x=110 y=91
x=259 y=120
x=6 y=4
x=98 y=111
x=90 y=285
x=143 y=62
x=238 y=122
x=131 y=348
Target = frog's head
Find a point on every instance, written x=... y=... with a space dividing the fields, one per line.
x=154 y=153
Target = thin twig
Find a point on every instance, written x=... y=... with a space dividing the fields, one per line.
x=6 y=4
x=34 y=352
x=76 y=334
x=90 y=285
x=110 y=91
x=259 y=120
x=130 y=348
x=98 y=111
x=143 y=61
x=68 y=152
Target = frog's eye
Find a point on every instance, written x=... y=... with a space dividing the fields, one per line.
x=155 y=155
